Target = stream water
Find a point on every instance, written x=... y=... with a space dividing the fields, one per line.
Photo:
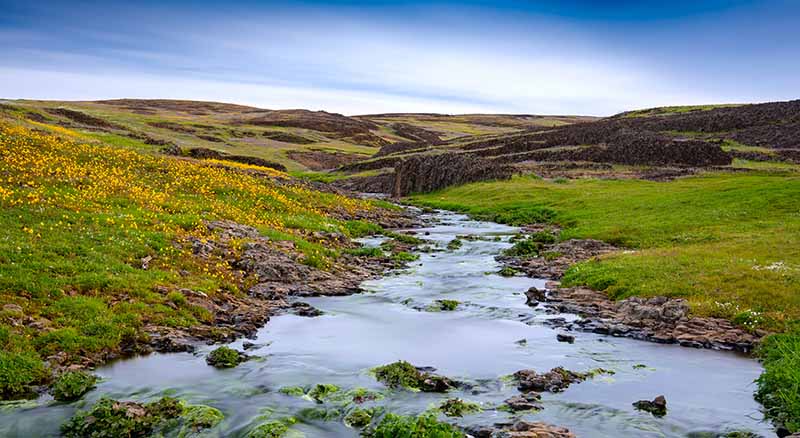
x=707 y=391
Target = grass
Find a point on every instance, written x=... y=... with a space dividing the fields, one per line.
x=78 y=219
x=716 y=238
x=779 y=385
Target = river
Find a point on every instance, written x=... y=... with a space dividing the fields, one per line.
x=482 y=340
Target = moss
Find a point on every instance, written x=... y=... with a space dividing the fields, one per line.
x=400 y=374
x=443 y=306
x=110 y=418
x=359 y=418
x=455 y=407
x=322 y=391
x=72 y=385
x=18 y=373
x=365 y=252
x=199 y=417
x=321 y=414
x=273 y=429
x=455 y=244
x=404 y=257
x=507 y=272
x=225 y=357
x=404 y=238
x=423 y=426
x=294 y=391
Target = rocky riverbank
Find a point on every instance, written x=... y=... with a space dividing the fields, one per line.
x=658 y=319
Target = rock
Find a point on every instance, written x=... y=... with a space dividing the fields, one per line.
x=561 y=337
x=225 y=357
x=146 y=262
x=13 y=309
x=535 y=296
x=556 y=380
x=520 y=429
x=402 y=374
x=529 y=401
x=305 y=309
x=657 y=407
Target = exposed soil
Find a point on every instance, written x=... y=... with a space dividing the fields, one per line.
x=416 y=134
x=323 y=160
x=83 y=118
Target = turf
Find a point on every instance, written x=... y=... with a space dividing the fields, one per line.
x=729 y=243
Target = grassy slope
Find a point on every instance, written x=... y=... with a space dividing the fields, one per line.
x=718 y=238
x=216 y=126
x=78 y=218
x=728 y=242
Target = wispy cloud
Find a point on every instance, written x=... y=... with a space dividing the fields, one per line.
x=440 y=58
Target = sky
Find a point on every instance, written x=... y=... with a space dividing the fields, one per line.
x=359 y=57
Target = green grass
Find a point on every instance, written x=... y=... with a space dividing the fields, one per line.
x=716 y=238
x=79 y=218
x=779 y=385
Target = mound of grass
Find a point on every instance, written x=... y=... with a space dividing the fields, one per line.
x=714 y=238
x=779 y=385
x=72 y=385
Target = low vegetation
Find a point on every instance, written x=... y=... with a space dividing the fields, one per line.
x=72 y=385
x=779 y=385
x=423 y=426
x=86 y=225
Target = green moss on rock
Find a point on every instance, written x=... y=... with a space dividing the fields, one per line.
x=225 y=357
x=423 y=426
x=455 y=407
x=72 y=385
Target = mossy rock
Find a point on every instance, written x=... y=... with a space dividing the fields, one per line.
x=225 y=357
x=322 y=391
x=197 y=418
x=455 y=407
x=359 y=418
x=508 y=272
x=455 y=244
x=423 y=426
x=72 y=385
x=112 y=418
x=279 y=428
x=402 y=374
x=294 y=391
x=443 y=306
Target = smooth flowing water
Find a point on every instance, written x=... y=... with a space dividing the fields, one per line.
x=707 y=391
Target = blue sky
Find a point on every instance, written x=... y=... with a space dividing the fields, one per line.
x=358 y=57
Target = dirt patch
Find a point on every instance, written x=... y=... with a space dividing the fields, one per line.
x=83 y=118
x=323 y=160
x=286 y=137
x=416 y=134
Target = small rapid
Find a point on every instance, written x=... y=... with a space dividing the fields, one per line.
x=491 y=334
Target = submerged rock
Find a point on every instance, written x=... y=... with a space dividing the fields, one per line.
x=556 y=380
x=529 y=401
x=562 y=337
x=520 y=429
x=657 y=406
x=534 y=296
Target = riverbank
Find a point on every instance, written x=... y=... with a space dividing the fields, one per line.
x=725 y=242
x=108 y=252
x=319 y=376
